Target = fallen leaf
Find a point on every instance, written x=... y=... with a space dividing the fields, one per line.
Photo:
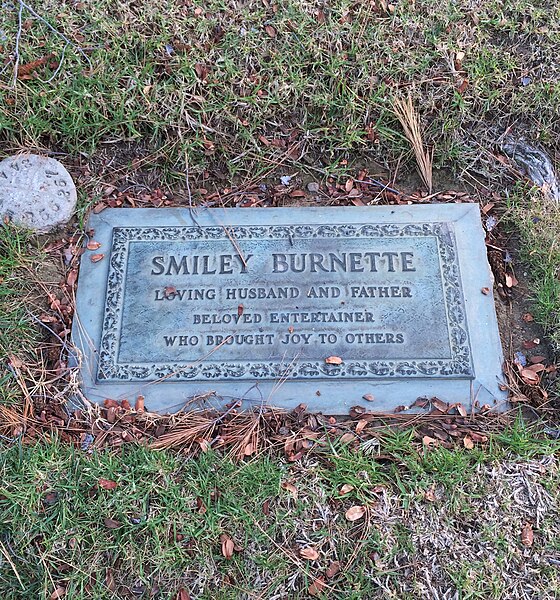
x=290 y=487
x=93 y=245
x=96 y=257
x=530 y=344
x=536 y=368
x=317 y=587
x=461 y=409
x=527 y=536
x=369 y=397
x=347 y=438
x=201 y=70
x=72 y=277
x=477 y=437
x=439 y=404
x=429 y=441
x=59 y=592
x=355 y=512
x=333 y=360
x=270 y=31
x=107 y=484
x=400 y=408
x=360 y=425
x=528 y=317
x=182 y=594
x=537 y=359
x=530 y=377
x=169 y=291
x=111 y=523
x=346 y=489
x=430 y=494
x=485 y=291
x=511 y=281
x=240 y=310
x=309 y=553
x=332 y=569
x=266 y=507
x=110 y=580
x=468 y=442
x=227 y=545
x=139 y=404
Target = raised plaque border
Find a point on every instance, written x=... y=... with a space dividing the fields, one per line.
x=459 y=366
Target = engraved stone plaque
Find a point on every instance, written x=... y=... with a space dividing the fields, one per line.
x=36 y=192
x=283 y=306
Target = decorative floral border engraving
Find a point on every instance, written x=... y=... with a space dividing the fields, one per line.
x=459 y=366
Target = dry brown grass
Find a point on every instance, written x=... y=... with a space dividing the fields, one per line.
x=410 y=121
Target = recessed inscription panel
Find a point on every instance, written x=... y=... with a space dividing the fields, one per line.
x=206 y=303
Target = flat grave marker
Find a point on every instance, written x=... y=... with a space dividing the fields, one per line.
x=320 y=306
x=36 y=192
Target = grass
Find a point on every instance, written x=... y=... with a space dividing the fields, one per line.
x=168 y=512
x=210 y=79
x=538 y=223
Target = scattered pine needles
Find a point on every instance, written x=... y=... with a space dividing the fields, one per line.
x=406 y=113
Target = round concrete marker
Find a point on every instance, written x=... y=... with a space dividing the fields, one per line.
x=36 y=192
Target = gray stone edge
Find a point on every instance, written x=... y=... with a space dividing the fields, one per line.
x=319 y=395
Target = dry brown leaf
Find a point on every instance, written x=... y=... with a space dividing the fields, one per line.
x=511 y=281
x=530 y=377
x=468 y=442
x=528 y=317
x=309 y=553
x=107 y=484
x=439 y=404
x=527 y=535
x=354 y=513
x=290 y=487
x=369 y=397
x=317 y=587
x=139 y=404
x=347 y=438
x=93 y=245
x=111 y=523
x=429 y=441
x=461 y=409
x=96 y=257
x=59 y=592
x=270 y=31
x=110 y=580
x=430 y=494
x=182 y=594
x=227 y=545
x=530 y=344
x=360 y=425
x=485 y=291
x=333 y=360
x=537 y=359
x=333 y=569
x=346 y=489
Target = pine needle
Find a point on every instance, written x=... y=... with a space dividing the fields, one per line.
x=406 y=113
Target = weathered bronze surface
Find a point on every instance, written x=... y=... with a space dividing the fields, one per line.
x=320 y=306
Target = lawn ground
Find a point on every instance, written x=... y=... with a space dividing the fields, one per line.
x=173 y=103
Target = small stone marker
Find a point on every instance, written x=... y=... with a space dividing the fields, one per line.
x=321 y=306
x=36 y=192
